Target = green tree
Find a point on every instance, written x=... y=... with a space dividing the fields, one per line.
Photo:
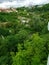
x=32 y=52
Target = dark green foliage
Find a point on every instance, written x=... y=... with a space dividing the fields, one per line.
x=24 y=37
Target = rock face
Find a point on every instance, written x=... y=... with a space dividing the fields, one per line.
x=48 y=61
x=8 y=10
x=5 y=10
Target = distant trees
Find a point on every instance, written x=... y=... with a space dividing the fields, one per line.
x=24 y=43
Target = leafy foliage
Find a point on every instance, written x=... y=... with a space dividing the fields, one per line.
x=24 y=38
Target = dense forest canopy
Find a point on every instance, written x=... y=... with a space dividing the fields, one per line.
x=24 y=37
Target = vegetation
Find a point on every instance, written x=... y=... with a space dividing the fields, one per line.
x=24 y=37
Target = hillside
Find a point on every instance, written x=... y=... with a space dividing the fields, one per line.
x=8 y=10
x=24 y=37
